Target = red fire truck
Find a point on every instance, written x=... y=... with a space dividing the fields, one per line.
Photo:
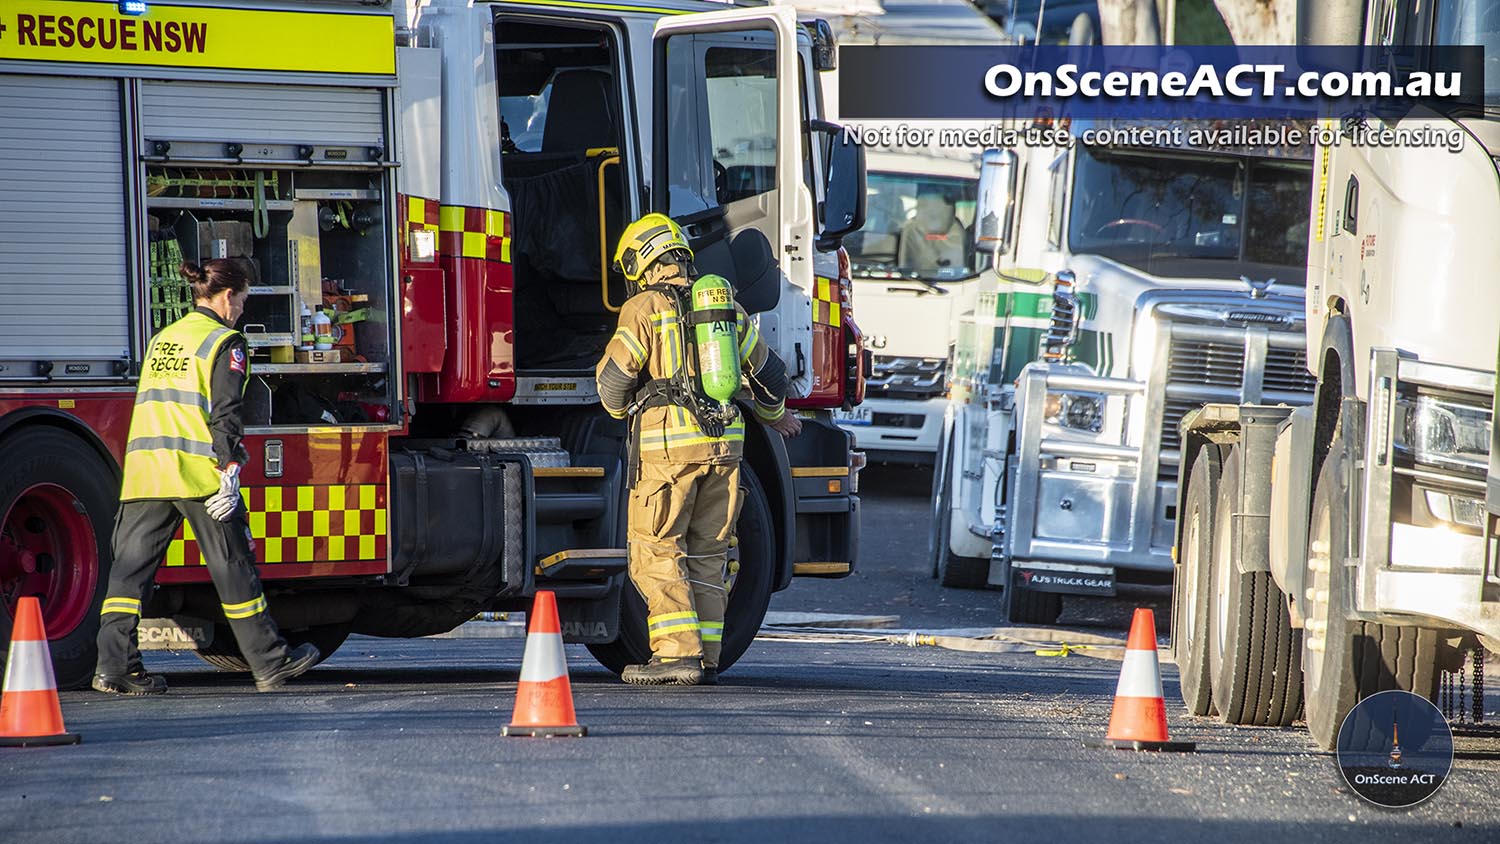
x=444 y=180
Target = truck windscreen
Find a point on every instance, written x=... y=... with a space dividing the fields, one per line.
x=917 y=226
x=1182 y=216
x=1457 y=22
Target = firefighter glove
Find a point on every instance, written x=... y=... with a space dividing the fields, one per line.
x=221 y=505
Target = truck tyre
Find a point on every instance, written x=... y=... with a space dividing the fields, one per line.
x=1254 y=654
x=224 y=653
x=1345 y=661
x=1190 y=626
x=1027 y=606
x=57 y=506
x=747 y=602
x=950 y=569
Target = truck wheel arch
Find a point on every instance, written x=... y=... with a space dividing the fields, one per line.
x=51 y=417
x=765 y=455
x=1336 y=380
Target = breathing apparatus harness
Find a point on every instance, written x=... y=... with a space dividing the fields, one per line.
x=706 y=311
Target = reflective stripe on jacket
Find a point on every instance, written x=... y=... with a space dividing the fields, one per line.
x=170 y=450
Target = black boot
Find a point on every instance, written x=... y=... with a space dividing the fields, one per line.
x=710 y=676
x=687 y=671
x=138 y=682
x=296 y=662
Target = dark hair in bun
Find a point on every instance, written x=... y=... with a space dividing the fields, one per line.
x=215 y=276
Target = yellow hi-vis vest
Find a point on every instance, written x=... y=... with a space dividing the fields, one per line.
x=170 y=451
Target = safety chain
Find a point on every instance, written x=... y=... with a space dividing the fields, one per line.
x=1478 y=685
x=1462 y=706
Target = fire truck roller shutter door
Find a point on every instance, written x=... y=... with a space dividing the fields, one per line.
x=273 y=114
x=62 y=281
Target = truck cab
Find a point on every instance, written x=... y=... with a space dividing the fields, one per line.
x=916 y=268
x=1131 y=283
x=1368 y=517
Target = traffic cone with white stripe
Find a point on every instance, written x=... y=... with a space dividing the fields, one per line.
x=1139 y=719
x=30 y=715
x=544 y=698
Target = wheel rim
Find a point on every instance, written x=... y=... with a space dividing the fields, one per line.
x=935 y=538
x=1222 y=571
x=1190 y=577
x=1320 y=564
x=48 y=550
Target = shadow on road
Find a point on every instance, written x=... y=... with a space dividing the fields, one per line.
x=1076 y=828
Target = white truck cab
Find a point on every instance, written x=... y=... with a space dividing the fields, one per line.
x=1131 y=284
x=915 y=269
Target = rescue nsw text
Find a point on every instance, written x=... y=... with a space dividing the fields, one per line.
x=111 y=33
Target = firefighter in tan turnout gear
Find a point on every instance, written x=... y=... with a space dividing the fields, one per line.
x=686 y=442
x=182 y=460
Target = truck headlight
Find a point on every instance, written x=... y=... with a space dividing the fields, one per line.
x=1079 y=411
x=1442 y=432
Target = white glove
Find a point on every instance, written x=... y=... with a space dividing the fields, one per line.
x=221 y=505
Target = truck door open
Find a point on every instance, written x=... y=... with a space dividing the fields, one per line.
x=728 y=164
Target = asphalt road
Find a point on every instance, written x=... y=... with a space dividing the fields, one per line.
x=399 y=741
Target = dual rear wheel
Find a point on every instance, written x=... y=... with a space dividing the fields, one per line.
x=1237 y=653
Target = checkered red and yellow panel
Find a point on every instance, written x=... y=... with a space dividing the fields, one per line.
x=474 y=233
x=826 y=302
x=305 y=524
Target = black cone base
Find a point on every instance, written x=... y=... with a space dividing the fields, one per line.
x=544 y=732
x=40 y=741
x=1153 y=746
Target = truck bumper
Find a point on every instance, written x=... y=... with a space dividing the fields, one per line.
x=898 y=430
x=1094 y=510
x=1421 y=562
x=824 y=469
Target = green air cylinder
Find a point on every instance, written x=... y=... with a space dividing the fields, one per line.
x=717 y=339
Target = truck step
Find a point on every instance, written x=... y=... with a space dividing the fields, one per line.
x=541 y=451
x=582 y=564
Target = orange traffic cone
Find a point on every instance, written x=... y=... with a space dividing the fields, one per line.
x=30 y=715
x=1139 y=719
x=544 y=698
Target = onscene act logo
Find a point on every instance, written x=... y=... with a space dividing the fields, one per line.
x=1395 y=749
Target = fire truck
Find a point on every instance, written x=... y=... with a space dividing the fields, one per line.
x=1329 y=552
x=444 y=181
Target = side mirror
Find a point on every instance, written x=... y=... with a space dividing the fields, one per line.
x=824 y=48
x=843 y=210
x=998 y=173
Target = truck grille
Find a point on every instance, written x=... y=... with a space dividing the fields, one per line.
x=911 y=378
x=1201 y=362
x=1209 y=367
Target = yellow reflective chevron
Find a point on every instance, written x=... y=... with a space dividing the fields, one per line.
x=169 y=452
x=245 y=609
x=127 y=606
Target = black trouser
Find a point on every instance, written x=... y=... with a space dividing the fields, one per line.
x=143 y=529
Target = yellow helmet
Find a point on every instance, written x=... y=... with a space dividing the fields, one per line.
x=646 y=240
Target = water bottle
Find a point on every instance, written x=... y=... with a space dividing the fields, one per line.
x=322 y=330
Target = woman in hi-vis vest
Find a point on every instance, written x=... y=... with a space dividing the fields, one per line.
x=182 y=461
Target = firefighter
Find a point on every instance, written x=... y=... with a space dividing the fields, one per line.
x=182 y=460
x=685 y=452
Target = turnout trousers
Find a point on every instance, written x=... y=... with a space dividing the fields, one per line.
x=682 y=518
x=143 y=529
